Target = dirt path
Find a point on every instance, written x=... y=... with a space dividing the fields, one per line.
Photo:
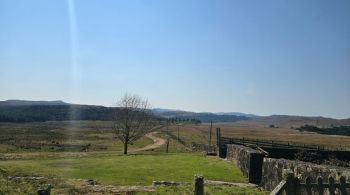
x=157 y=142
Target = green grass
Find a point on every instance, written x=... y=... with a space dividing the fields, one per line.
x=62 y=136
x=15 y=188
x=107 y=166
x=139 y=169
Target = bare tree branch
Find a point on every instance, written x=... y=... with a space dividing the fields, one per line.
x=132 y=120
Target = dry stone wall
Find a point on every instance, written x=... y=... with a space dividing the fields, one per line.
x=272 y=171
x=248 y=160
x=268 y=172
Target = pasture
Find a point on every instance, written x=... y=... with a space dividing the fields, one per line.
x=200 y=134
x=69 y=153
x=66 y=136
x=137 y=169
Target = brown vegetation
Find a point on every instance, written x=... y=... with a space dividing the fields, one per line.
x=200 y=134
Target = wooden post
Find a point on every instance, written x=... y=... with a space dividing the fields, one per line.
x=198 y=185
x=211 y=126
x=320 y=187
x=342 y=187
x=331 y=186
x=290 y=184
x=178 y=133
x=167 y=145
x=308 y=186
x=217 y=137
x=297 y=189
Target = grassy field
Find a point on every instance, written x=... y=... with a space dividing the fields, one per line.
x=98 y=136
x=200 y=134
x=76 y=136
x=29 y=145
x=77 y=150
x=138 y=169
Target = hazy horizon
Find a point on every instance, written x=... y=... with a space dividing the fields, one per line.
x=180 y=109
x=256 y=57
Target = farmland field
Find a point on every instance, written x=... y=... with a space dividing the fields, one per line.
x=67 y=153
x=98 y=136
x=138 y=169
x=200 y=134
x=75 y=136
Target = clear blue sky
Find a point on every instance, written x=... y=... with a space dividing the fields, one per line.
x=263 y=57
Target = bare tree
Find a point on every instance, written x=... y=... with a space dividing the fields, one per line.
x=133 y=119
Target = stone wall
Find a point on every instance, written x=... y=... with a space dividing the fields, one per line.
x=248 y=160
x=272 y=171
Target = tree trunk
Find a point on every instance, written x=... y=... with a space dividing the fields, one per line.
x=125 y=147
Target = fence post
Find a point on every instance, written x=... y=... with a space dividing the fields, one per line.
x=297 y=189
x=219 y=134
x=308 y=186
x=217 y=137
x=198 y=185
x=342 y=187
x=320 y=187
x=167 y=145
x=289 y=177
x=331 y=186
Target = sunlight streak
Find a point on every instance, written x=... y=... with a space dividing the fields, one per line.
x=74 y=49
x=74 y=57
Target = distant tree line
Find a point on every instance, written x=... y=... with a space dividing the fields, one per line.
x=184 y=120
x=335 y=130
x=205 y=117
x=41 y=113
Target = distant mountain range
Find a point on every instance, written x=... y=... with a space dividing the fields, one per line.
x=163 y=110
x=202 y=116
x=29 y=111
x=31 y=103
x=36 y=111
x=237 y=114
